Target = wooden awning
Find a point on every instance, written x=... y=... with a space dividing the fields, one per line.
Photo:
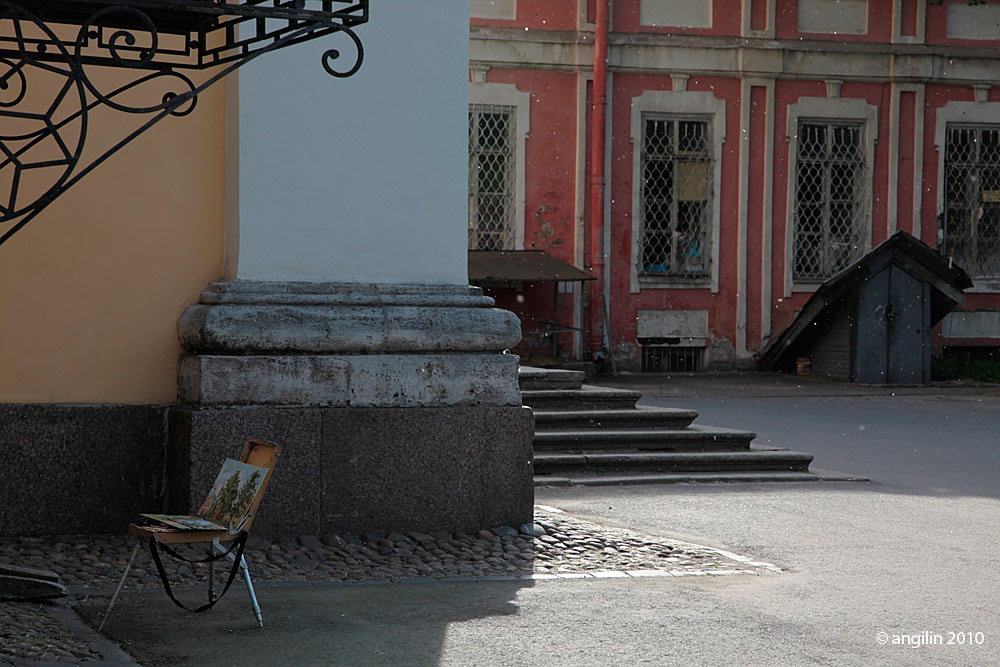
x=530 y=266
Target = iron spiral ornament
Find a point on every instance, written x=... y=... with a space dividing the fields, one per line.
x=52 y=50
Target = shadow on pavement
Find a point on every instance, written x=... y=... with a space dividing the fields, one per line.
x=316 y=624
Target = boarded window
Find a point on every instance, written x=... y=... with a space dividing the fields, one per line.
x=493 y=9
x=676 y=172
x=971 y=220
x=676 y=13
x=492 y=177
x=834 y=17
x=829 y=202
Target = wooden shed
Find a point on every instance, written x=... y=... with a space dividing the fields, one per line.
x=871 y=322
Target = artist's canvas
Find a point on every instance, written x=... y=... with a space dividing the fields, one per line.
x=227 y=506
x=232 y=494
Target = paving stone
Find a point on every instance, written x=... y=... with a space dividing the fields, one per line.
x=333 y=540
x=311 y=542
x=533 y=529
x=561 y=546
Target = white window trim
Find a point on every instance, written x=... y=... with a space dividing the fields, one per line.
x=768 y=31
x=827 y=109
x=507 y=94
x=681 y=103
x=897 y=29
x=975 y=113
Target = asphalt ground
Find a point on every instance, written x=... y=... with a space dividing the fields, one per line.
x=903 y=570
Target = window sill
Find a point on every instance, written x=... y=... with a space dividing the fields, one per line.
x=674 y=282
x=984 y=286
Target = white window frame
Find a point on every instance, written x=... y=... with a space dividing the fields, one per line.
x=827 y=109
x=973 y=113
x=681 y=104
x=507 y=94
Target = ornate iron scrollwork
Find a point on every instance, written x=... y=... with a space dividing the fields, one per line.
x=49 y=51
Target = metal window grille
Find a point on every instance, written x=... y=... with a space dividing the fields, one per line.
x=971 y=232
x=829 y=202
x=492 y=177
x=676 y=163
x=660 y=359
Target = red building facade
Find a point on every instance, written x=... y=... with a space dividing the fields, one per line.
x=752 y=149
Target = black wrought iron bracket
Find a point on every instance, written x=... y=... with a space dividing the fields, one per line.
x=50 y=50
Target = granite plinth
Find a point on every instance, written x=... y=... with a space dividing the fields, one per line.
x=79 y=468
x=358 y=469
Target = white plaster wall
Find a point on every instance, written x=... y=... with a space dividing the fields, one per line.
x=360 y=179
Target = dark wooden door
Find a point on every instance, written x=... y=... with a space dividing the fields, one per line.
x=906 y=326
x=892 y=336
x=871 y=336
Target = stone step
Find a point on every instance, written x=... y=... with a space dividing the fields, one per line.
x=10 y=570
x=587 y=397
x=692 y=438
x=588 y=479
x=542 y=379
x=639 y=418
x=28 y=588
x=618 y=463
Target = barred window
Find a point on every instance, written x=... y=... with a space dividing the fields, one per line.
x=971 y=225
x=492 y=177
x=829 y=202
x=676 y=168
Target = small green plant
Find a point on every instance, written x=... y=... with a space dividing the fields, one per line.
x=957 y=369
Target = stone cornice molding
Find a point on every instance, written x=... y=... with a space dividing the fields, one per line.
x=724 y=56
x=247 y=317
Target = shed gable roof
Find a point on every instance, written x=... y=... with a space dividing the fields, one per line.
x=946 y=279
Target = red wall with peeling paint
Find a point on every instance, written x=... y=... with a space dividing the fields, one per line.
x=557 y=158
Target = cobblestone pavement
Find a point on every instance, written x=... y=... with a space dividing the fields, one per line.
x=555 y=545
x=29 y=632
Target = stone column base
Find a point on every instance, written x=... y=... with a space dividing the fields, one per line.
x=396 y=405
x=357 y=469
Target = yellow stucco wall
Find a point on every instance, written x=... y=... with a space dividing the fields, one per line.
x=91 y=290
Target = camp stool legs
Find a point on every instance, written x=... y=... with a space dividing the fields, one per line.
x=121 y=582
x=211 y=570
x=246 y=578
x=211 y=582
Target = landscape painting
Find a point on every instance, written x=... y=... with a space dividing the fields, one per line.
x=232 y=494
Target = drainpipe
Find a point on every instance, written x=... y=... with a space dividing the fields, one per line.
x=599 y=104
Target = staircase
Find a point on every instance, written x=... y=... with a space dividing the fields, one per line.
x=588 y=435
